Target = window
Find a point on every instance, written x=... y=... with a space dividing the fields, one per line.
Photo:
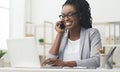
x=4 y=23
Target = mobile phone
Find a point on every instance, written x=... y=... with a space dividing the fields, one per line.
x=62 y=26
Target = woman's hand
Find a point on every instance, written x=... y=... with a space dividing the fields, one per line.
x=54 y=62
x=57 y=27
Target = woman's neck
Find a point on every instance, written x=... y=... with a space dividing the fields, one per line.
x=74 y=34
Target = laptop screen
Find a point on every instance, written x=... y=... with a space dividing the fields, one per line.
x=23 y=52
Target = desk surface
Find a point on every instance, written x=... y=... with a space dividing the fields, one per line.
x=56 y=70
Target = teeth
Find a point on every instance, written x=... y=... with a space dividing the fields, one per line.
x=68 y=23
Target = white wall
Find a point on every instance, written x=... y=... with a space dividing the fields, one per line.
x=105 y=10
x=28 y=10
x=17 y=18
x=45 y=10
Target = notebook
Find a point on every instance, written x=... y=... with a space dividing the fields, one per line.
x=23 y=52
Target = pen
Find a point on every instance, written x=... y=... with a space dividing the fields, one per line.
x=104 y=50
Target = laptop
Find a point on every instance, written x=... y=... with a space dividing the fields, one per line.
x=23 y=53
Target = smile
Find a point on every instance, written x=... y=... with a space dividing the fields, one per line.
x=68 y=23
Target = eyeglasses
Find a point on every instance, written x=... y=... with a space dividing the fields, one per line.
x=70 y=15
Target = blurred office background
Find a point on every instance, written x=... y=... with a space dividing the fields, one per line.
x=36 y=18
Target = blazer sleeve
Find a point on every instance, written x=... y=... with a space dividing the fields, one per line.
x=94 y=60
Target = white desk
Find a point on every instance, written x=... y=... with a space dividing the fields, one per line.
x=55 y=70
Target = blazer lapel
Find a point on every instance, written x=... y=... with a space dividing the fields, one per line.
x=82 y=40
x=62 y=45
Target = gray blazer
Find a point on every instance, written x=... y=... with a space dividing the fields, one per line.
x=89 y=39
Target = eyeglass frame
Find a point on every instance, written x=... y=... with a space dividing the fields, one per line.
x=70 y=15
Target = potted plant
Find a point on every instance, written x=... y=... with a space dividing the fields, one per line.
x=41 y=40
x=1 y=55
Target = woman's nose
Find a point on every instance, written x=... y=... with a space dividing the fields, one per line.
x=66 y=18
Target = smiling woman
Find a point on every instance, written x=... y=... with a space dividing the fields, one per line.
x=75 y=44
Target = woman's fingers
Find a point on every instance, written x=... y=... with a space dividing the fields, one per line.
x=57 y=27
x=54 y=62
x=49 y=61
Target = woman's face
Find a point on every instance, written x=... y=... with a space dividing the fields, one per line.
x=69 y=17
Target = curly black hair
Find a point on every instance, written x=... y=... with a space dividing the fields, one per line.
x=83 y=9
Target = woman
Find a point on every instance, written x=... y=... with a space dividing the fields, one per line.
x=75 y=45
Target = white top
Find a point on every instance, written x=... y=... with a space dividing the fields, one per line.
x=72 y=50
